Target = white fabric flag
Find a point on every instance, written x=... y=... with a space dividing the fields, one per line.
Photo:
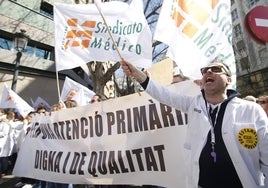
x=75 y=91
x=40 y=102
x=197 y=32
x=82 y=36
x=11 y=100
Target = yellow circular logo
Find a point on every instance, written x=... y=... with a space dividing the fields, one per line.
x=248 y=138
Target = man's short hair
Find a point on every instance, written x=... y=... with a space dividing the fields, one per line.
x=225 y=66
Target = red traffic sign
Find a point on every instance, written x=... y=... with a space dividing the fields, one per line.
x=256 y=23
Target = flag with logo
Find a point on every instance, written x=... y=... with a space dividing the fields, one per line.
x=81 y=34
x=197 y=32
x=10 y=99
x=72 y=90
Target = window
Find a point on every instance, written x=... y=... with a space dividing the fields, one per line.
x=242 y=52
x=5 y=43
x=46 y=9
x=246 y=80
x=263 y=55
x=234 y=15
x=252 y=2
x=237 y=30
x=40 y=52
x=240 y=45
x=45 y=52
x=265 y=75
x=244 y=63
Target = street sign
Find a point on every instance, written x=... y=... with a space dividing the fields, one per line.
x=256 y=23
x=250 y=33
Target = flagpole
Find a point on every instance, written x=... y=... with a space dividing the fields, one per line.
x=58 y=84
x=96 y=2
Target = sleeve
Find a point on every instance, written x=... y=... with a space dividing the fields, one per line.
x=145 y=83
x=262 y=121
x=177 y=100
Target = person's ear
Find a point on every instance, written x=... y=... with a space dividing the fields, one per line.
x=229 y=80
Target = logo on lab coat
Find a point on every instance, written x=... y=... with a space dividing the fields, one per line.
x=248 y=138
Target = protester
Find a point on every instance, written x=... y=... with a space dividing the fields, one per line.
x=4 y=143
x=263 y=101
x=25 y=182
x=16 y=126
x=95 y=98
x=178 y=76
x=55 y=107
x=67 y=104
x=250 y=98
x=227 y=149
x=70 y=103
x=41 y=109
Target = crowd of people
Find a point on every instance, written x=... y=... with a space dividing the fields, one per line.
x=262 y=100
x=213 y=161
x=14 y=128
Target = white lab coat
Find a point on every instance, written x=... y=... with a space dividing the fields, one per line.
x=16 y=129
x=5 y=139
x=250 y=164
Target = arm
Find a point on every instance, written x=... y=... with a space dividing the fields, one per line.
x=262 y=123
x=131 y=71
x=158 y=92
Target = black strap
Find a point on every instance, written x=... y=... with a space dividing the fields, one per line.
x=212 y=113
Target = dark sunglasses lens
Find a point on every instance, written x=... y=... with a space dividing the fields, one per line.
x=216 y=69
x=213 y=69
x=204 y=70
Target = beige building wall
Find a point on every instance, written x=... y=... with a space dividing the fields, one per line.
x=162 y=72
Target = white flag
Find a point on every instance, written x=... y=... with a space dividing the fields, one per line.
x=82 y=36
x=41 y=102
x=72 y=90
x=11 y=100
x=197 y=32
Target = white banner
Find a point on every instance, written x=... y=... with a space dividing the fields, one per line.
x=130 y=140
x=197 y=32
x=82 y=36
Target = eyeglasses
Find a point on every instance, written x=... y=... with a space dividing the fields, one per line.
x=262 y=102
x=214 y=69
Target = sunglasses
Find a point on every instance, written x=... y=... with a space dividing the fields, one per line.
x=262 y=102
x=214 y=69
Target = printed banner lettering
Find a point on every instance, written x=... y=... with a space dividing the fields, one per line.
x=130 y=140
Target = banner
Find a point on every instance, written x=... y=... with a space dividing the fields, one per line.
x=10 y=99
x=82 y=36
x=132 y=140
x=197 y=32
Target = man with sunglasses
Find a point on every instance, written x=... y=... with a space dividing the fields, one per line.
x=226 y=146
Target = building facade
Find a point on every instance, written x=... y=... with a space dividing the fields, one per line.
x=251 y=57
